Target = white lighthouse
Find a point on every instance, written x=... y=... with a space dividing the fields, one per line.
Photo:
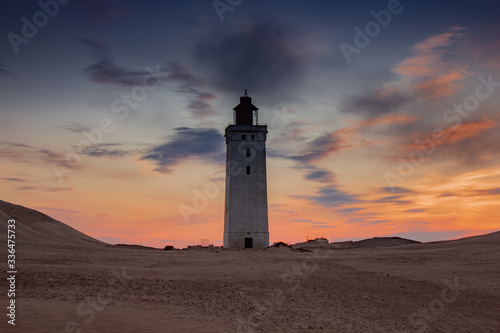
x=245 y=219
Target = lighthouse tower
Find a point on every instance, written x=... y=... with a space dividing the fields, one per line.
x=245 y=219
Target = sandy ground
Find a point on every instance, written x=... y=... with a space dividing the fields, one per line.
x=68 y=282
x=438 y=287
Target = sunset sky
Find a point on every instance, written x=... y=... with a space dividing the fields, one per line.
x=383 y=116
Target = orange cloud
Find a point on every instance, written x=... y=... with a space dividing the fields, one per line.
x=451 y=135
x=441 y=86
x=436 y=76
x=387 y=120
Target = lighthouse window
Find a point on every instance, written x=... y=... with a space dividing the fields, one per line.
x=248 y=152
x=248 y=169
x=243 y=137
x=253 y=137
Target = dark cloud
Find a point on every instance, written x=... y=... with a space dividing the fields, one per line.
x=349 y=210
x=318 y=148
x=56 y=159
x=393 y=199
x=13 y=180
x=75 y=127
x=329 y=196
x=101 y=151
x=22 y=153
x=100 y=50
x=363 y=222
x=490 y=191
x=15 y=144
x=417 y=210
x=319 y=175
x=375 y=104
x=315 y=173
x=472 y=193
x=262 y=57
x=203 y=143
x=44 y=188
x=106 y=71
x=394 y=189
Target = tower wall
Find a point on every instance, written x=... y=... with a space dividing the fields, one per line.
x=246 y=187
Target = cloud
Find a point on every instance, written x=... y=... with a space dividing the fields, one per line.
x=376 y=103
x=486 y=53
x=75 y=127
x=329 y=196
x=318 y=148
x=54 y=158
x=389 y=119
x=203 y=143
x=22 y=153
x=60 y=210
x=430 y=55
x=319 y=175
x=349 y=210
x=441 y=86
x=100 y=151
x=13 y=180
x=490 y=191
x=14 y=144
x=451 y=135
x=191 y=85
x=433 y=66
x=417 y=210
x=315 y=173
x=432 y=72
x=281 y=208
x=106 y=71
x=363 y=222
x=393 y=199
x=259 y=56
x=472 y=193
x=394 y=190
x=44 y=188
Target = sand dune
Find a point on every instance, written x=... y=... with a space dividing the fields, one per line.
x=35 y=227
x=429 y=287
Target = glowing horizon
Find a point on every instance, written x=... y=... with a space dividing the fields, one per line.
x=113 y=118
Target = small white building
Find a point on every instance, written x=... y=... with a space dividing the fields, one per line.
x=245 y=219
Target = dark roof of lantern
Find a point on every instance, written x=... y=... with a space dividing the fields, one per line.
x=245 y=103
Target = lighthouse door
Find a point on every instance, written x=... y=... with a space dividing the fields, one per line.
x=248 y=243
